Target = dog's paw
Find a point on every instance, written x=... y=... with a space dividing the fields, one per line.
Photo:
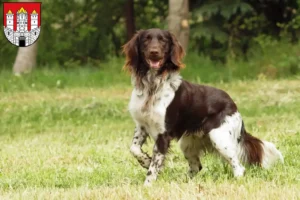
x=238 y=171
x=147 y=183
x=192 y=173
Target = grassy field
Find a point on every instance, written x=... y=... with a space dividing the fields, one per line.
x=67 y=136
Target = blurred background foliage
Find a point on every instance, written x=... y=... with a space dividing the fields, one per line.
x=262 y=35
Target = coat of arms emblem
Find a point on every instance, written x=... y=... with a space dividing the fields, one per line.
x=22 y=22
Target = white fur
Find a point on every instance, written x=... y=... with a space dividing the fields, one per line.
x=271 y=155
x=152 y=115
x=148 y=111
x=155 y=167
x=224 y=139
x=136 y=147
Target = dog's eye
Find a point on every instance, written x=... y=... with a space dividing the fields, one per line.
x=148 y=37
x=162 y=39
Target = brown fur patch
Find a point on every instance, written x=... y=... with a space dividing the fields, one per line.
x=254 y=149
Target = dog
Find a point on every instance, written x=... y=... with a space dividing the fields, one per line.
x=165 y=107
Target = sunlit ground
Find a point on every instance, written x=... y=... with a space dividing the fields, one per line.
x=62 y=142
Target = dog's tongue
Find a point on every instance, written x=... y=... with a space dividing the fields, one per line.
x=154 y=64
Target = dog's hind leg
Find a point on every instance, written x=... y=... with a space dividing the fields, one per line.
x=224 y=140
x=160 y=150
x=189 y=145
x=138 y=140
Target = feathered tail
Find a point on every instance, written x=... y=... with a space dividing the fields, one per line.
x=258 y=152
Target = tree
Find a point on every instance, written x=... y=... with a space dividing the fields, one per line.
x=26 y=57
x=178 y=21
x=229 y=29
x=129 y=15
x=25 y=60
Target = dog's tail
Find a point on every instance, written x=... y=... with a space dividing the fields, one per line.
x=258 y=152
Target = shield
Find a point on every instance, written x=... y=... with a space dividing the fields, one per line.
x=22 y=22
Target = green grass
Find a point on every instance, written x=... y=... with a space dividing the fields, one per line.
x=66 y=135
x=200 y=69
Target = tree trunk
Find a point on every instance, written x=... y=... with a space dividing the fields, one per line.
x=25 y=60
x=26 y=56
x=178 y=21
x=129 y=15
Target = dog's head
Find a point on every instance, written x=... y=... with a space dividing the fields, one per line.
x=153 y=49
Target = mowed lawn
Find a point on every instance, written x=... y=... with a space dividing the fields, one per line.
x=73 y=143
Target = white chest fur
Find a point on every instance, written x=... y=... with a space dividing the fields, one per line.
x=148 y=109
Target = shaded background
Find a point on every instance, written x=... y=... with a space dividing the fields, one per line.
x=235 y=38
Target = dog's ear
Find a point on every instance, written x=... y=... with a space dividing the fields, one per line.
x=176 y=51
x=132 y=52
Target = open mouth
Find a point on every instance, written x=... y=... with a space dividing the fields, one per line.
x=154 y=63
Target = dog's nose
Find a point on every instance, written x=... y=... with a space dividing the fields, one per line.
x=154 y=52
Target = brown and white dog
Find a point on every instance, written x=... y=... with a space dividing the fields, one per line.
x=165 y=107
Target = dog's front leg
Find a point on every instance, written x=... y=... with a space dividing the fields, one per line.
x=159 y=152
x=138 y=140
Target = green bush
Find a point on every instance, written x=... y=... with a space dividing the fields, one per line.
x=224 y=35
